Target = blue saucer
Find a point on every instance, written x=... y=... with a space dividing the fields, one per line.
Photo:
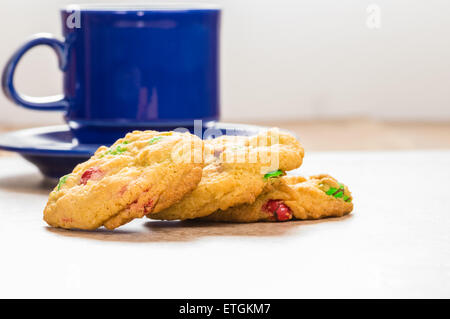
x=55 y=151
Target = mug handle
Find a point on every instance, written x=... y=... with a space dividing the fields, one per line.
x=48 y=103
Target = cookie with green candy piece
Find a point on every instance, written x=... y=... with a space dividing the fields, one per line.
x=292 y=197
x=62 y=181
x=236 y=171
x=154 y=140
x=274 y=174
x=117 y=150
x=143 y=173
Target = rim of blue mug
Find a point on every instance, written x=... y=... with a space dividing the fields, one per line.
x=156 y=6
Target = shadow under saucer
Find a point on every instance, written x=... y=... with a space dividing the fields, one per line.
x=29 y=183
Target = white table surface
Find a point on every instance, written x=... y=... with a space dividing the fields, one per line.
x=396 y=243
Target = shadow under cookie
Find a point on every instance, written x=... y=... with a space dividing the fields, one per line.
x=190 y=230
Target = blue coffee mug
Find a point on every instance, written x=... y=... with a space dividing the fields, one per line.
x=129 y=68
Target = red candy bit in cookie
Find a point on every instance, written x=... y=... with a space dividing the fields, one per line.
x=278 y=209
x=272 y=205
x=283 y=213
x=148 y=206
x=142 y=207
x=93 y=173
x=123 y=190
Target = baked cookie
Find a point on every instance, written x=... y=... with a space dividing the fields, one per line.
x=293 y=197
x=236 y=172
x=142 y=173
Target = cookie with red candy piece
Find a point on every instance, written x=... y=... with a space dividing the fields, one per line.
x=142 y=173
x=237 y=168
x=293 y=197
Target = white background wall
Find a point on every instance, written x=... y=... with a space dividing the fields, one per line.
x=285 y=59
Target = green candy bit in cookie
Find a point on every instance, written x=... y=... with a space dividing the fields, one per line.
x=154 y=140
x=331 y=191
x=340 y=192
x=117 y=151
x=274 y=174
x=62 y=181
x=339 y=195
